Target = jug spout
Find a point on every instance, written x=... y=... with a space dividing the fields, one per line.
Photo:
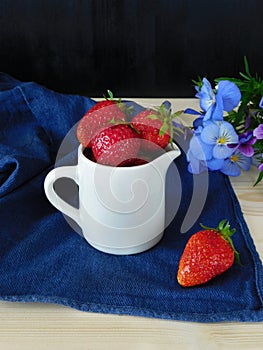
x=162 y=162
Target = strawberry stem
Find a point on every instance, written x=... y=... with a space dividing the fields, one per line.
x=133 y=128
x=164 y=113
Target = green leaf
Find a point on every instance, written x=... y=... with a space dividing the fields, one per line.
x=133 y=127
x=153 y=116
x=163 y=129
x=198 y=82
x=260 y=177
x=246 y=66
x=244 y=76
x=177 y=113
x=110 y=94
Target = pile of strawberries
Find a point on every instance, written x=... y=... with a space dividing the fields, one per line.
x=109 y=139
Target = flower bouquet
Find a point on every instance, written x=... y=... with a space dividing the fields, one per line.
x=228 y=131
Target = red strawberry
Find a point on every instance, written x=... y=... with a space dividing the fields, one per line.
x=208 y=253
x=115 y=144
x=156 y=126
x=149 y=124
x=100 y=115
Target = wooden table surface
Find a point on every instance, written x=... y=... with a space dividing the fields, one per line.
x=26 y=326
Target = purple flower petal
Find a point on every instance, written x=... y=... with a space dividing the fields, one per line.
x=246 y=149
x=247 y=137
x=258 y=132
x=261 y=103
x=246 y=140
x=248 y=121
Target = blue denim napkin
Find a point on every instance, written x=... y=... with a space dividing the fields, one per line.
x=42 y=259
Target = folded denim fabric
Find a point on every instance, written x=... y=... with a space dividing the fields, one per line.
x=42 y=259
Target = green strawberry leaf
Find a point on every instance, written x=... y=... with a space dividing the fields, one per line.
x=163 y=129
x=110 y=94
x=153 y=116
x=133 y=128
x=177 y=114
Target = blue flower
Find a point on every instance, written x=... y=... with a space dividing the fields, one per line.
x=192 y=111
x=198 y=122
x=219 y=135
x=226 y=98
x=206 y=95
x=214 y=144
x=261 y=103
x=229 y=93
x=232 y=166
x=213 y=141
x=196 y=166
x=215 y=164
x=199 y=149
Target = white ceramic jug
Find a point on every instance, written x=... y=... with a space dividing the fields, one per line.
x=121 y=209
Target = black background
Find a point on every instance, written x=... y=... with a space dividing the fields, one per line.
x=133 y=47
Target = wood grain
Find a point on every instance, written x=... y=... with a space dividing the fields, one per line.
x=39 y=326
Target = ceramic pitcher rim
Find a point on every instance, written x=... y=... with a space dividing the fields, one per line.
x=86 y=160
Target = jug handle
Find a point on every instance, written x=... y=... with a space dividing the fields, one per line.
x=59 y=203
